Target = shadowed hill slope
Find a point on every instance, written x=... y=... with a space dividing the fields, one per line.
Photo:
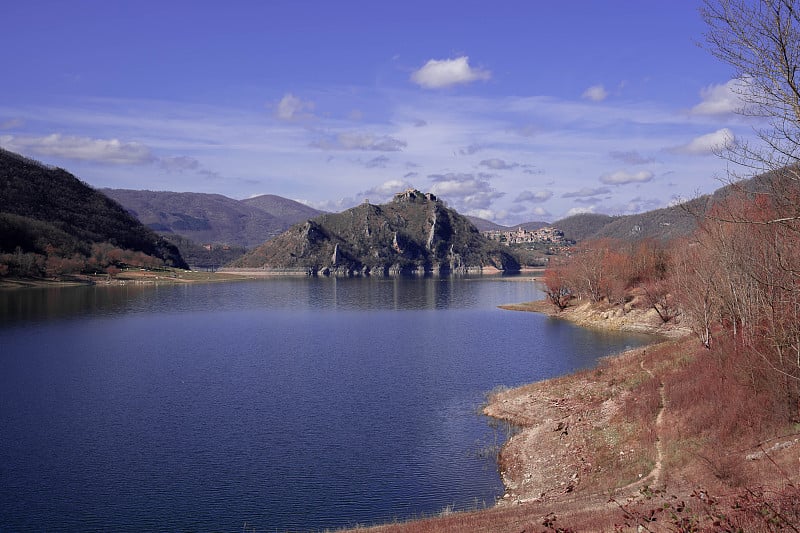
x=287 y=211
x=583 y=226
x=203 y=218
x=43 y=207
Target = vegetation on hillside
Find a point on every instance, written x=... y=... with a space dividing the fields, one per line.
x=415 y=233
x=52 y=224
x=734 y=282
x=202 y=218
x=289 y=211
x=208 y=257
x=211 y=229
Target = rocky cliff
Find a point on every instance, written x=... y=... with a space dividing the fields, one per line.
x=413 y=234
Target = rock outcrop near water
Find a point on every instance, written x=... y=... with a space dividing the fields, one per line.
x=414 y=234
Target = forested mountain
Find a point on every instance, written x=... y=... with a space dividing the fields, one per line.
x=203 y=218
x=284 y=209
x=415 y=233
x=662 y=224
x=485 y=225
x=583 y=226
x=47 y=213
x=531 y=226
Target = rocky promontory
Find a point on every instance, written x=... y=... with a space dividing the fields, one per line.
x=415 y=233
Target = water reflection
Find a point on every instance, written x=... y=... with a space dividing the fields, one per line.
x=284 y=293
x=60 y=302
x=199 y=407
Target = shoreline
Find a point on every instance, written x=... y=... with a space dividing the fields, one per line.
x=158 y=277
x=127 y=277
x=575 y=453
x=550 y=457
x=628 y=318
x=571 y=453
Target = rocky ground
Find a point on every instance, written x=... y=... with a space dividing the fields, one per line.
x=606 y=450
x=633 y=317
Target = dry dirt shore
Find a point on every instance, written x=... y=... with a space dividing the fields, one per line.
x=570 y=453
x=593 y=442
x=129 y=277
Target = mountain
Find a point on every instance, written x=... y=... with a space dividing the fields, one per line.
x=47 y=211
x=664 y=224
x=583 y=226
x=668 y=222
x=288 y=211
x=485 y=225
x=413 y=234
x=203 y=218
x=213 y=218
x=531 y=226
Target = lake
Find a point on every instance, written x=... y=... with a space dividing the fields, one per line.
x=279 y=404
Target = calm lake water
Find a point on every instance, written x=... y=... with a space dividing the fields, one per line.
x=278 y=404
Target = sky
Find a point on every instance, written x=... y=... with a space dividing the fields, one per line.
x=512 y=111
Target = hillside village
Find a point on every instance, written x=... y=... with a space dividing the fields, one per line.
x=550 y=238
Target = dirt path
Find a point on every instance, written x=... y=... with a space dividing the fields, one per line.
x=654 y=476
x=541 y=458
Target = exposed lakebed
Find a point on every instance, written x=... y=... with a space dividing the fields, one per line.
x=280 y=404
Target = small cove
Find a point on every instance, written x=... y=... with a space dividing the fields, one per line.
x=284 y=403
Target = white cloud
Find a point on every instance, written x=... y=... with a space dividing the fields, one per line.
x=585 y=192
x=471 y=149
x=377 y=162
x=575 y=142
x=497 y=164
x=581 y=210
x=465 y=192
x=527 y=130
x=81 y=148
x=595 y=93
x=439 y=73
x=385 y=191
x=631 y=157
x=708 y=143
x=721 y=99
x=540 y=212
x=590 y=200
x=639 y=205
x=529 y=196
x=379 y=194
x=11 y=123
x=292 y=108
x=621 y=177
x=486 y=214
x=360 y=141
x=532 y=170
x=179 y=163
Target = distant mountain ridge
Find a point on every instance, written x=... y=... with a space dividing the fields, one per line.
x=213 y=218
x=289 y=211
x=665 y=223
x=413 y=234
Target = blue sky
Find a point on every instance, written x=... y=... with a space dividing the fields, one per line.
x=512 y=111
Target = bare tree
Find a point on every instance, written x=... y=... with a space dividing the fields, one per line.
x=761 y=40
x=556 y=287
x=757 y=246
x=694 y=282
